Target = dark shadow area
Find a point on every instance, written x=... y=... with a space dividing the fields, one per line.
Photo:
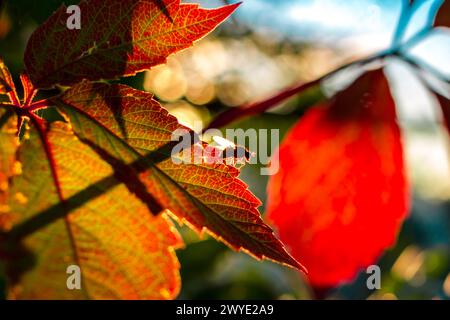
x=129 y=177
x=163 y=8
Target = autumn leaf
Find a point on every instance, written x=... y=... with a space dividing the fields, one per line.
x=341 y=195
x=123 y=251
x=117 y=38
x=123 y=125
x=443 y=16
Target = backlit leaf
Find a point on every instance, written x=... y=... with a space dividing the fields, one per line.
x=123 y=251
x=341 y=195
x=127 y=124
x=117 y=38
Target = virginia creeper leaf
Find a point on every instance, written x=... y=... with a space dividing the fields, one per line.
x=126 y=124
x=122 y=250
x=340 y=196
x=443 y=16
x=117 y=38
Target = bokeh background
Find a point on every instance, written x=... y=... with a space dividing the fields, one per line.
x=269 y=45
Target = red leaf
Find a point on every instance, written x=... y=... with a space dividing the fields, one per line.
x=117 y=38
x=341 y=194
x=443 y=16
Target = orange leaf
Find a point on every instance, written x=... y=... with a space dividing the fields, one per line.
x=122 y=250
x=341 y=195
x=117 y=38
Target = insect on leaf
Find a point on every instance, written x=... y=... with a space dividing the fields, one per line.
x=341 y=195
x=125 y=125
x=95 y=188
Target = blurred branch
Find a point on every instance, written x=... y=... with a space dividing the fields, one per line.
x=405 y=16
x=239 y=113
x=421 y=65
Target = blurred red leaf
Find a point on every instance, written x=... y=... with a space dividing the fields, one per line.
x=341 y=194
x=443 y=16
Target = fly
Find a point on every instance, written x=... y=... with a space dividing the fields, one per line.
x=231 y=153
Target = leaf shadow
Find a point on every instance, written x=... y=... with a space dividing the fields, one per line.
x=16 y=259
x=161 y=5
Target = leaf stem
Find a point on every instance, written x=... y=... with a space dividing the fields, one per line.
x=14 y=99
x=403 y=22
x=39 y=105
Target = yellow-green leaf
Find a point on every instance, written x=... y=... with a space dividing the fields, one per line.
x=123 y=251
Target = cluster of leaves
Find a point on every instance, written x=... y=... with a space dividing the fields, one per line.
x=95 y=187
x=86 y=177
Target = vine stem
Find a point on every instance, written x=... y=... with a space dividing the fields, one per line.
x=239 y=113
x=402 y=24
x=421 y=65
